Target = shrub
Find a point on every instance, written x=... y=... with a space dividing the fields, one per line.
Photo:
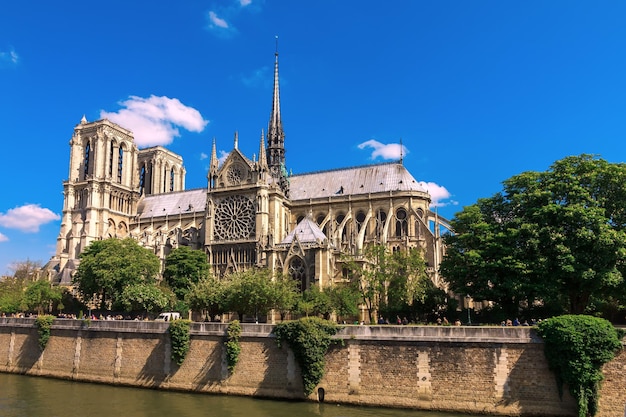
x=44 y=324
x=576 y=347
x=309 y=339
x=233 y=347
x=179 y=339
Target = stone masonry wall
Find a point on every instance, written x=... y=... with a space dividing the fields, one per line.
x=499 y=371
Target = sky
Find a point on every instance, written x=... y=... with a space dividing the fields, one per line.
x=469 y=93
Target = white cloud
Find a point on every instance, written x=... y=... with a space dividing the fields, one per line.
x=155 y=120
x=385 y=151
x=438 y=193
x=27 y=218
x=203 y=156
x=3 y=238
x=245 y=3
x=222 y=157
x=9 y=57
x=217 y=22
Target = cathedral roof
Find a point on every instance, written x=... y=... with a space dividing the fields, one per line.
x=353 y=181
x=307 y=231
x=181 y=202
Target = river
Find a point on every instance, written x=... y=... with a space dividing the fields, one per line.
x=27 y=396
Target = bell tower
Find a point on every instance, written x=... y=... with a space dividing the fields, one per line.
x=101 y=192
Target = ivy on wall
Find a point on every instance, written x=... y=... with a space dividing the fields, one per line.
x=309 y=339
x=233 y=347
x=44 y=324
x=576 y=347
x=180 y=339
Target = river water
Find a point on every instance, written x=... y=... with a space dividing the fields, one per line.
x=27 y=396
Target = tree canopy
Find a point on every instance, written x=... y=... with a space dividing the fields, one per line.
x=108 y=266
x=557 y=238
x=183 y=267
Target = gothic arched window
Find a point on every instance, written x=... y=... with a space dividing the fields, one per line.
x=111 y=159
x=120 y=165
x=87 y=155
x=360 y=219
x=381 y=218
x=297 y=272
x=172 y=179
x=142 y=179
x=402 y=226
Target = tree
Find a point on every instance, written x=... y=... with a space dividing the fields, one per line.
x=556 y=237
x=108 y=266
x=208 y=295
x=12 y=295
x=344 y=300
x=27 y=270
x=317 y=302
x=144 y=297
x=249 y=292
x=286 y=294
x=183 y=267
x=40 y=294
x=388 y=280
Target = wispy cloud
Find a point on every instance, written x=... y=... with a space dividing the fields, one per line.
x=203 y=156
x=385 y=151
x=9 y=57
x=220 y=19
x=155 y=120
x=438 y=194
x=260 y=77
x=27 y=218
x=3 y=238
x=222 y=157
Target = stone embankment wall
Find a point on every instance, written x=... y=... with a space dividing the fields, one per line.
x=487 y=370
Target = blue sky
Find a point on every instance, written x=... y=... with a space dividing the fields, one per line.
x=476 y=91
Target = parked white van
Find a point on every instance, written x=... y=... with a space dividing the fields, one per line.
x=168 y=316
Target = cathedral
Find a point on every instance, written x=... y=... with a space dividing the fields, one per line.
x=252 y=212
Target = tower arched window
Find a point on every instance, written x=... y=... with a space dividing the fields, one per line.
x=172 y=179
x=120 y=165
x=111 y=159
x=87 y=155
x=142 y=180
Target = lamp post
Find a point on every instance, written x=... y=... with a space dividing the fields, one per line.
x=467 y=304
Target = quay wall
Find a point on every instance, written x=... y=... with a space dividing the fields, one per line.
x=481 y=370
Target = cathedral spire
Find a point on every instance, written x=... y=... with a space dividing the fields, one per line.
x=276 y=135
x=214 y=161
x=262 y=156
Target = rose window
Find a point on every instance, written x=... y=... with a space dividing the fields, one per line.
x=234 y=175
x=234 y=218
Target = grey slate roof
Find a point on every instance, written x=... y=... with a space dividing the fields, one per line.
x=353 y=181
x=307 y=231
x=181 y=202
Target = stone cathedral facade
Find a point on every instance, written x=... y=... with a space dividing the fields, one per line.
x=251 y=213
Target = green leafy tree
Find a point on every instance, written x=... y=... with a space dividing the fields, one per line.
x=40 y=295
x=286 y=294
x=207 y=295
x=314 y=301
x=108 y=266
x=388 y=279
x=557 y=237
x=344 y=300
x=184 y=267
x=249 y=292
x=144 y=297
x=12 y=295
